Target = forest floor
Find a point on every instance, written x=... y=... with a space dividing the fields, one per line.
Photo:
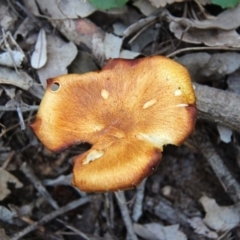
x=194 y=194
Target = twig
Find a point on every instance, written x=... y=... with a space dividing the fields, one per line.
x=201 y=140
x=81 y=234
x=189 y=49
x=155 y=38
x=218 y=106
x=109 y=209
x=3 y=235
x=6 y=130
x=24 y=108
x=167 y=211
x=17 y=102
x=5 y=36
x=8 y=160
x=138 y=205
x=38 y=185
x=64 y=180
x=139 y=25
x=125 y=215
x=14 y=10
x=21 y=120
x=47 y=218
x=29 y=14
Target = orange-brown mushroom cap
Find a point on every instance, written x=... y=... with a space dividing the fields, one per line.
x=128 y=112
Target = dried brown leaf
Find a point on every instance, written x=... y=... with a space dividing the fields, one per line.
x=7 y=19
x=112 y=46
x=5 y=178
x=220 y=218
x=204 y=2
x=209 y=37
x=227 y=20
x=21 y=79
x=25 y=28
x=163 y=3
x=60 y=55
x=218 y=65
x=31 y=5
x=129 y=54
x=156 y=231
x=222 y=64
x=145 y=7
x=66 y=9
x=143 y=232
x=11 y=59
x=3 y=235
x=200 y=228
x=233 y=82
x=39 y=56
x=225 y=133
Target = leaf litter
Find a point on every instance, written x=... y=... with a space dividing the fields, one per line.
x=5 y=178
x=40 y=41
x=39 y=56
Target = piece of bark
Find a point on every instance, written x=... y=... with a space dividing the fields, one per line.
x=218 y=106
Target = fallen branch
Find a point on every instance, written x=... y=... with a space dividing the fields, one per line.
x=218 y=106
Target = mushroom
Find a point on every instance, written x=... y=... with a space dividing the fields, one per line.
x=127 y=111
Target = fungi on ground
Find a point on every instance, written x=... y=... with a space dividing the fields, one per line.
x=127 y=111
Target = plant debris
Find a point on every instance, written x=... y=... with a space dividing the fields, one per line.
x=195 y=192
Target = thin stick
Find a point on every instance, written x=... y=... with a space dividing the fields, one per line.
x=47 y=218
x=125 y=215
x=189 y=49
x=201 y=140
x=6 y=130
x=139 y=25
x=8 y=160
x=77 y=231
x=138 y=204
x=21 y=120
x=23 y=108
x=38 y=185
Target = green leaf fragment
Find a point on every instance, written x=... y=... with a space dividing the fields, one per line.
x=226 y=3
x=108 y=4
